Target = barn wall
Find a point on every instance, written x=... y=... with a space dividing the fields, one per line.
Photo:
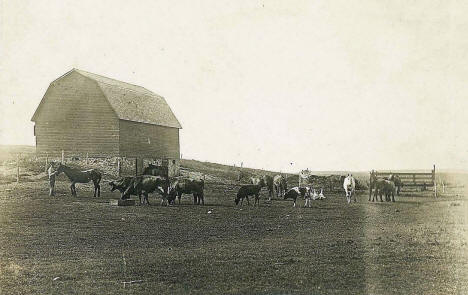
x=75 y=117
x=147 y=140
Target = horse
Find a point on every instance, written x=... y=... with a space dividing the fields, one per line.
x=349 y=185
x=386 y=187
x=390 y=187
x=279 y=181
x=375 y=184
x=78 y=176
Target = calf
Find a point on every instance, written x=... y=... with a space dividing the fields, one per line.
x=249 y=190
x=295 y=192
x=188 y=186
x=320 y=196
x=121 y=185
x=146 y=184
x=308 y=197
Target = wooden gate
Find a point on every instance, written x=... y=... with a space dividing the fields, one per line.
x=422 y=180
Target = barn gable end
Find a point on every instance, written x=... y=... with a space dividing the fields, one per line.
x=75 y=116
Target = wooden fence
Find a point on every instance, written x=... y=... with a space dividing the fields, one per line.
x=112 y=165
x=422 y=180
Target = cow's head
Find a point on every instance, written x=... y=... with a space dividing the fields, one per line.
x=262 y=183
x=59 y=168
x=113 y=186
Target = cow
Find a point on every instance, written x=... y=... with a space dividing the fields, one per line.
x=268 y=182
x=249 y=190
x=146 y=184
x=121 y=185
x=320 y=196
x=295 y=192
x=280 y=184
x=188 y=186
x=308 y=197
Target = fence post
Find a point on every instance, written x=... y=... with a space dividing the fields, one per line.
x=87 y=154
x=46 y=162
x=17 y=168
x=136 y=166
x=63 y=156
x=118 y=166
x=434 y=181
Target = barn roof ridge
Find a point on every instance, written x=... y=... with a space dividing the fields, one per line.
x=129 y=102
x=113 y=82
x=134 y=103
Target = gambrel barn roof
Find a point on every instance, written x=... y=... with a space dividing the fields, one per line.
x=130 y=102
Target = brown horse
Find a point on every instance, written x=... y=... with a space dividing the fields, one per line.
x=377 y=185
x=381 y=187
x=78 y=176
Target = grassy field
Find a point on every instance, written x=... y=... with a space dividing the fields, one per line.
x=65 y=245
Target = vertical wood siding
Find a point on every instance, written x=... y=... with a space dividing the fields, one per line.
x=77 y=118
x=147 y=140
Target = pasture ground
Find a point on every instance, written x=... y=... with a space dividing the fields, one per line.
x=417 y=245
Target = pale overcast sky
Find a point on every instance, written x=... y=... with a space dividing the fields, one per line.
x=328 y=85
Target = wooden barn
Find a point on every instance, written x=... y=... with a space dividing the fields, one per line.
x=83 y=113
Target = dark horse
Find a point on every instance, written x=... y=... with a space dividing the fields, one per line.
x=78 y=176
x=377 y=185
x=382 y=187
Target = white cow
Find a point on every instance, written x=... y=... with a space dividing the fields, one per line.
x=349 y=185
